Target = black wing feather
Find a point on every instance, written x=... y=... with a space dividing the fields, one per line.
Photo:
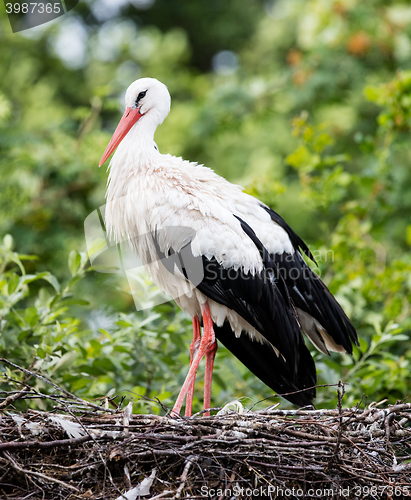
x=308 y=292
x=296 y=241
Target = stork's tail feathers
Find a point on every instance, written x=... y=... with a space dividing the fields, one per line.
x=272 y=369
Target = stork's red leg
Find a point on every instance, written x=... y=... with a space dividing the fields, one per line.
x=210 y=355
x=194 y=346
x=207 y=340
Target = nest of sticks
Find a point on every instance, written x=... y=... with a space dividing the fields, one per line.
x=81 y=450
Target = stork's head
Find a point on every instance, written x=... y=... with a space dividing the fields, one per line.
x=146 y=97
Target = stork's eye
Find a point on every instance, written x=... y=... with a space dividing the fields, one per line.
x=141 y=95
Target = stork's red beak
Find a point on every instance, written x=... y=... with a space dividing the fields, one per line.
x=130 y=117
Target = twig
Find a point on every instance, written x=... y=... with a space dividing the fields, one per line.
x=14 y=397
x=38 y=474
x=190 y=461
x=18 y=445
x=49 y=382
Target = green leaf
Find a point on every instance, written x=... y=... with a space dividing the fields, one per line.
x=97 y=245
x=13 y=282
x=28 y=257
x=31 y=316
x=74 y=262
x=40 y=352
x=23 y=334
x=80 y=302
x=29 y=278
x=124 y=323
x=65 y=361
x=55 y=314
x=52 y=280
x=78 y=383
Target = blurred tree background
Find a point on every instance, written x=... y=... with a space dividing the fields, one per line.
x=306 y=103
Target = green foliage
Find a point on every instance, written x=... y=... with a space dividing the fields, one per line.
x=322 y=176
x=315 y=121
x=395 y=97
x=374 y=288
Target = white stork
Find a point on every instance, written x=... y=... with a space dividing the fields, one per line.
x=256 y=293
